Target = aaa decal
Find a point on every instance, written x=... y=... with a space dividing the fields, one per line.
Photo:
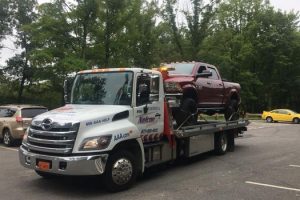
x=120 y=136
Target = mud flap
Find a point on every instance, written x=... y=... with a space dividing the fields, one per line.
x=231 y=144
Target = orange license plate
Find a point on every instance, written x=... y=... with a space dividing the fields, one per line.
x=43 y=165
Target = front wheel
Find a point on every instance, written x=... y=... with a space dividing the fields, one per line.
x=187 y=114
x=120 y=172
x=296 y=120
x=231 y=111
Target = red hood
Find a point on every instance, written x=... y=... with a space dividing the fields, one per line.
x=180 y=78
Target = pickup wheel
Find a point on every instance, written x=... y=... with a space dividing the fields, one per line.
x=296 y=120
x=269 y=119
x=187 y=108
x=120 y=172
x=231 y=111
x=8 y=140
x=221 y=143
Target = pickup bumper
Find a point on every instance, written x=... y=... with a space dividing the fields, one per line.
x=174 y=100
x=73 y=165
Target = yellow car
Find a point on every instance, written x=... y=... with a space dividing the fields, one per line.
x=281 y=115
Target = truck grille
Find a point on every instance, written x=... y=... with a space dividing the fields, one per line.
x=58 y=140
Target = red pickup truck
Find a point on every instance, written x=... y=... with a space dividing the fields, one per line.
x=196 y=87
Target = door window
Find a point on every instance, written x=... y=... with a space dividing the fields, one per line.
x=7 y=112
x=147 y=89
x=214 y=74
x=283 y=112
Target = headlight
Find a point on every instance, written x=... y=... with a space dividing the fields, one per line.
x=172 y=87
x=95 y=143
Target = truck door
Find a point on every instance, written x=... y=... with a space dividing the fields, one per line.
x=148 y=111
x=217 y=87
x=203 y=87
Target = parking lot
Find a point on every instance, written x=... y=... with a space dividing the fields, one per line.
x=265 y=165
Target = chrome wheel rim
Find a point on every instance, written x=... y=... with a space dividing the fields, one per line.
x=122 y=171
x=6 y=138
x=269 y=119
x=224 y=143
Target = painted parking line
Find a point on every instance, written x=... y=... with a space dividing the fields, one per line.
x=273 y=186
x=294 y=166
x=9 y=148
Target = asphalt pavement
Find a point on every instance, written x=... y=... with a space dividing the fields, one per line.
x=265 y=165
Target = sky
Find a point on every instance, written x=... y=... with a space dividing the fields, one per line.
x=284 y=5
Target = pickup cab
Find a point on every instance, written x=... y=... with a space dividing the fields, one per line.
x=195 y=87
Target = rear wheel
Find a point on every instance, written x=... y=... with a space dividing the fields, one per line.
x=221 y=143
x=121 y=171
x=8 y=140
x=231 y=111
x=269 y=119
x=188 y=109
x=296 y=120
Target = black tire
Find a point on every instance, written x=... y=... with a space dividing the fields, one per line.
x=269 y=119
x=221 y=143
x=296 y=120
x=231 y=112
x=8 y=140
x=120 y=171
x=46 y=175
x=187 y=107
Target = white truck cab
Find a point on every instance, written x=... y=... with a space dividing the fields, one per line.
x=117 y=123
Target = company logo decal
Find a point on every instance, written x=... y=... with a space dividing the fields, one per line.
x=145 y=120
x=98 y=121
x=47 y=124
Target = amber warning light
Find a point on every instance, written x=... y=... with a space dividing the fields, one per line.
x=164 y=70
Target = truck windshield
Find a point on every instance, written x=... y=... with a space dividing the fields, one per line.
x=182 y=68
x=106 y=88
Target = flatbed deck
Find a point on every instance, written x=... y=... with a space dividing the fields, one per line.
x=206 y=127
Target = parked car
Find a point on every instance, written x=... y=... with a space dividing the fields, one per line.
x=281 y=115
x=199 y=88
x=14 y=120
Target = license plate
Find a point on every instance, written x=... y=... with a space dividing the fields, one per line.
x=44 y=165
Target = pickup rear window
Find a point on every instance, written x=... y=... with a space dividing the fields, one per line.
x=182 y=68
x=32 y=112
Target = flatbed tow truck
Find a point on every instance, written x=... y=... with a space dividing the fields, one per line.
x=118 y=123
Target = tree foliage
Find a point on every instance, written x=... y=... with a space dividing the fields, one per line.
x=248 y=40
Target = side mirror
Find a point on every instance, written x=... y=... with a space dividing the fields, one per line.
x=204 y=73
x=66 y=99
x=68 y=83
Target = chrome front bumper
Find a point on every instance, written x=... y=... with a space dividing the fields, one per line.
x=73 y=165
